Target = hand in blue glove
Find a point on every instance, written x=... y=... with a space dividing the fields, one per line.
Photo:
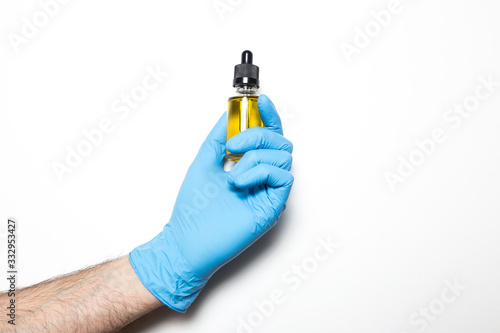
x=218 y=214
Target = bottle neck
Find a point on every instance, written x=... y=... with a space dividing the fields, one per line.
x=246 y=90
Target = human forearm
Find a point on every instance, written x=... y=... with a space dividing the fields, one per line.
x=99 y=299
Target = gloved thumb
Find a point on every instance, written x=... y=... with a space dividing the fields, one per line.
x=213 y=149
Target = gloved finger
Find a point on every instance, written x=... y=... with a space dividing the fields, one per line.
x=269 y=115
x=279 y=158
x=264 y=174
x=258 y=138
x=213 y=148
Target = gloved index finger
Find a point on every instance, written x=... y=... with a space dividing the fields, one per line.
x=258 y=138
x=269 y=114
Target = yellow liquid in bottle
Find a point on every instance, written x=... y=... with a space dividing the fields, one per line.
x=242 y=113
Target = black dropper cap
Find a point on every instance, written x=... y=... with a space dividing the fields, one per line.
x=246 y=73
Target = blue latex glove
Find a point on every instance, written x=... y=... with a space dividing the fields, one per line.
x=218 y=214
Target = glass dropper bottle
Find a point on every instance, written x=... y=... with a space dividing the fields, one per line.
x=242 y=110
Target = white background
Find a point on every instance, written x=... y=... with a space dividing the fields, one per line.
x=349 y=122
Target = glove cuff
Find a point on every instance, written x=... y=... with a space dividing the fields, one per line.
x=160 y=269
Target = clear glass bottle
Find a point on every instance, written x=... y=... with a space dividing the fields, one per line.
x=242 y=110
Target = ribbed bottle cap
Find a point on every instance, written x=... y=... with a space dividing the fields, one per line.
x=246 y=73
